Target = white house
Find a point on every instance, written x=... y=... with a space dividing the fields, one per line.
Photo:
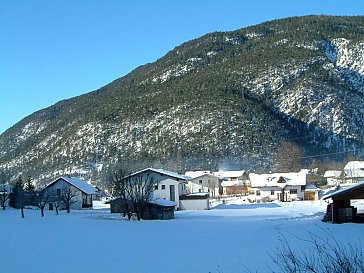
x=83 y=192
x=233 y=182
x=168 y=185
x=354 y=171
x=203 y=181
x=333 y=177
x=277 y=186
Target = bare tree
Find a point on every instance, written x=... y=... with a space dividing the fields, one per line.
x=326 y=255
x=119 y=189
x=68 y=197
x=289 y=156
x=132 y=192
x=140 y=189
x=4 y=195
x=4 y=189
x=42 y=200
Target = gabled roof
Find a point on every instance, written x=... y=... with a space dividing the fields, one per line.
x=278 y=179
x=164 y=172
x=354 y=169
x=332 y=173
x=195 y=174
x=232 y=183
x=77 y=183
x=342 y=192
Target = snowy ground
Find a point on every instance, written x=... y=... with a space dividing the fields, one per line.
x=226 y=239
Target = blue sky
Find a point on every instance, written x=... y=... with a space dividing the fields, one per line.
x=58 y=49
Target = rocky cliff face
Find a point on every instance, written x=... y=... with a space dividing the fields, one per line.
x=233 y=95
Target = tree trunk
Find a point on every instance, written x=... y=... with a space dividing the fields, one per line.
x=42 y=212
x=22 y=212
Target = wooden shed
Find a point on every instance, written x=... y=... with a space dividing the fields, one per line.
x=159 y=209
x=340 y=210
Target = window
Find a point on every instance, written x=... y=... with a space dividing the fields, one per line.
x=303 y=188
x=58 y=192
x=293 y=191
x=271 y=192
x=163 y=187
x=258 y=193
x=156 y=187
x=200 y=181
x=251 y=192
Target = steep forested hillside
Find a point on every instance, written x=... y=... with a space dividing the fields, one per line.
x=225 y=97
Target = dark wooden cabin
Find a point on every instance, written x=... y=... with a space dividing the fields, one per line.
x=340 y=210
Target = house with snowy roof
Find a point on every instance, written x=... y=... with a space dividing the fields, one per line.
x=354 y=171
x=168 y=185
x=333 y=177
x=203 y=182
x=83 y=192
x=277 y=186
x=233 y=182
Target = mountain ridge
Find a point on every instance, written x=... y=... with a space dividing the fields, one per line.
x=215 y=98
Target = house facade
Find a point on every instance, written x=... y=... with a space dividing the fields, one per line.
x=277 y=186
x=354 y=171
x=333 y=177
x=203 y=182
x=168 y=185
x=233 y=182
x=82 y=191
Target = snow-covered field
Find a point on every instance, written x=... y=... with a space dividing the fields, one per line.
x=228 y=239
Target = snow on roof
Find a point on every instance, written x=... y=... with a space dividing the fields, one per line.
x=232 y=183
x=194 y=174
x=354 y=169
x=332 y=173
x=275 y=179
x=346 y=189
x=77 y=183
x=168 y=173
x=354 y=165
x=229 y=174
x=163 y=203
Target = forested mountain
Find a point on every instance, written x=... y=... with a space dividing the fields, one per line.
x=225 y=97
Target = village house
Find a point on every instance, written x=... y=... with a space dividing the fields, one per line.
x=83 y=192
x=233 y=182
x=333 y=177
x=277 y=186
x=168 y=185
x=354 y=171
x=203 y=182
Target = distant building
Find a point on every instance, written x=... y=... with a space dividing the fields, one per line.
x=168 y=185
x=84 y=192
x=203 y=182
x=333 y=177
x=277 y=186
x=354 y=171
x=233 y=182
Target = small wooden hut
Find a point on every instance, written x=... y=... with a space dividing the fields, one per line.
x=340 y=210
